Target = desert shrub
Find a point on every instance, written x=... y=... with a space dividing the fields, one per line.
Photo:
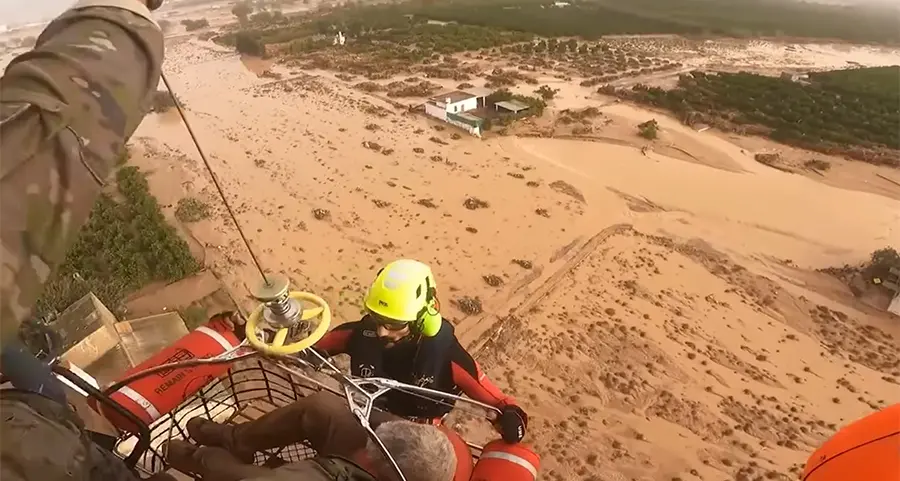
x=242 y=11
x=546 y=92
x=649 y=129
x=161 y=101
x=190 y=209
x=817 y=164
x=248 y=44
x=190 y=24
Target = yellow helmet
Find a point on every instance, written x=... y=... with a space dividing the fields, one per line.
x=404 y=291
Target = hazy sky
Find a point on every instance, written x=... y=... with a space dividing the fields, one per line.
x=26 y=11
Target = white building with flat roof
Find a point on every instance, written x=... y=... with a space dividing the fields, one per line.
x=454 y=107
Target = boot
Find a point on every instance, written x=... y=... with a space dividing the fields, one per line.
x=180 y=455
x=209 y=433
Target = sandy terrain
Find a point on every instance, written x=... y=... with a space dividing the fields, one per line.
x=641 y=307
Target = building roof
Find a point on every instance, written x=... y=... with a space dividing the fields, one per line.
x=454 y=96
x=478 y=91
x=512 y=105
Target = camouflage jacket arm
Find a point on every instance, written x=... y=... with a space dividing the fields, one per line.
x=67 y=107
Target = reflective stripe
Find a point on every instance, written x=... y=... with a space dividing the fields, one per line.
x=216 y=336
x=141 y=401
x=513 y=459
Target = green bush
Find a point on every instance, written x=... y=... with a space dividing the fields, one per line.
x=190 y=209
x=649 y=129
x=880 y=264
x=853 y=112
x=125 y=245
x=190 y=25
x=247 y=43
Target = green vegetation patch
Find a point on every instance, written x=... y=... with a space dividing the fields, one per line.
x=125 y=245
x=882 y=83
x=191 y=25
x=841 y=116
x=190 y=209
x=741 y=18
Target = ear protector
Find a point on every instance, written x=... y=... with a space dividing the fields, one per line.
x=429 y=319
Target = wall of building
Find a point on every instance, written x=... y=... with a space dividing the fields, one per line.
x=435 y=111
x=468 y=128
x=895 y=305
x=463 y=106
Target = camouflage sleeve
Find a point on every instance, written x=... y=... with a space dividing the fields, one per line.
x=66 y=110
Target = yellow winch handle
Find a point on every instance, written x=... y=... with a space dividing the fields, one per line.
x=278 y=347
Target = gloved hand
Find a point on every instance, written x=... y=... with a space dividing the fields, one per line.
x=233 y=321
x=512 y=423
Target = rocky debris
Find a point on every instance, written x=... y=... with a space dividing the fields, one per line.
x=493 y=280
x=473 y=203
x=321 y=214
x=523 y=263
x=371 y=146
x=469 y=306
x=565 y=188
x=428 y=202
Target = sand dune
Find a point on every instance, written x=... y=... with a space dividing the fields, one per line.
x=637 y=305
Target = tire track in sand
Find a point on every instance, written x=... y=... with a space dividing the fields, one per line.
x=476 y=332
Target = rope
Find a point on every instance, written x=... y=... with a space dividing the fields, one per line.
x=214 y=179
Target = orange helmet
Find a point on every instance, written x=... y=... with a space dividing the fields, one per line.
x=866 y=450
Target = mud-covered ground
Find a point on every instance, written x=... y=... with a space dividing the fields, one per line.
x=639 y=306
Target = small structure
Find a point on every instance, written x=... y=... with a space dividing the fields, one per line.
x=452 y=107
x=142 y=338
x=93 y=340
x=510 y=106
x=893 y=283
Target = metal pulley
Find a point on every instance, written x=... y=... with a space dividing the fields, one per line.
x=280 y=310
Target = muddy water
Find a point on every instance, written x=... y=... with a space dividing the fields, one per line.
x=282 y=154
x=328 y=190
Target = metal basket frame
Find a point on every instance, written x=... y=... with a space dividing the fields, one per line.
x=224 y=399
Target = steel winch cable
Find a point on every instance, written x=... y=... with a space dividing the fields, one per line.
x=215 y=179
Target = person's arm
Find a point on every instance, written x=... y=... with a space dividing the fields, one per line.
x=67 y=107
x=336 y=340
x=473 y=382
x=512 y=420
